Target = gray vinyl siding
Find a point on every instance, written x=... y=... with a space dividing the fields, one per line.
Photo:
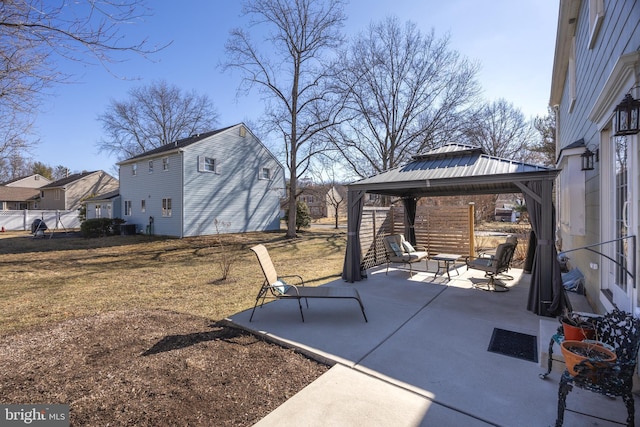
x=153 y=187
x=234 y=197
x=618 y=35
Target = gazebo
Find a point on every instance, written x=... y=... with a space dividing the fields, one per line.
x=457 y=169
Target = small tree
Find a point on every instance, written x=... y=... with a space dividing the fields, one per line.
x=303 y=217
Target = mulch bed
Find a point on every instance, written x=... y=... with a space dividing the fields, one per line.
x=150 y=368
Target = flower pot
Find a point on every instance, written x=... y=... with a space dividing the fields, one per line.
x=575 y=352
x=576 y=333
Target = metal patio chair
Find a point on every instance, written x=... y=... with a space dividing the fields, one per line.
x=275 y=287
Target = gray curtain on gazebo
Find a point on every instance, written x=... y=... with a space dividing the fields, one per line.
x=410 y=206
x=547 y=296
x=351 y=271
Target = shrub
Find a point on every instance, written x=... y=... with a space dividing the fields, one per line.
x=98 y=227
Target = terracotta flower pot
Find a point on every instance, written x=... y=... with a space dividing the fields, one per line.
x=576 y=333
x=575 y=352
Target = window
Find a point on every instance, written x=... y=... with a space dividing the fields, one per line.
x=166 y=207
x=243 y=132
x=109 y=211
x=165 y=163
x=150 y=166
x=98 y=211
x=58 y=194
x=42 y=194
x=265 y=173
x=143 y=205
x=208 y=164
x=134 y=169
x=127 y=207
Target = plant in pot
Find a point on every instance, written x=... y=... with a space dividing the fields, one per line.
x=590 y=354
x=576 y=326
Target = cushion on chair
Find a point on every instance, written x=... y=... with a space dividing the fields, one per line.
x=407 y=247
x=281 y=286
x=395 y=248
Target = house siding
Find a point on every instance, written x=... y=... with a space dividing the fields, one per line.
x=235 y=197
x=618 y=35
x=153 y=187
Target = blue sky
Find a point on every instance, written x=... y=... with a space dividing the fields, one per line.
x=512 y=40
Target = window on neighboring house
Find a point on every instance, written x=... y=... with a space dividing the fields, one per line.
x=165 y=163
x=98 y=211
x=57 y=194
x=109 y=211
x=596 y=16
x=150 y=166
x=134 y=169
x=242 y=132
x=572 y=75
x=265 y=173
x=166 y=207
x=143 y=205
x=127 y=207
x=37 y=177
x=42 y=194
x=208 y=164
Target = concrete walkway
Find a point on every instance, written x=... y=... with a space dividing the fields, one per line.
x=422 y=358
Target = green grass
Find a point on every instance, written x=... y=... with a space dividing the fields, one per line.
x=43 y=281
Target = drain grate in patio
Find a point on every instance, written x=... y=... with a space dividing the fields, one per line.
x=514 y=344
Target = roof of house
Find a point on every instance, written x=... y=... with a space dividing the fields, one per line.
x=18 y=194
x=454 y=169
x=104 y=196
x=181 y=143
x=68 y=180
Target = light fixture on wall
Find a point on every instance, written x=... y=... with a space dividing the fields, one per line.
x=589 y=158
x=627 y=116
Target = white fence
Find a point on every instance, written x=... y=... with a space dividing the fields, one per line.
x=22 y=220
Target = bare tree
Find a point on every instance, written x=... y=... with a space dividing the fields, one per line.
x=153 y=116
x=546 y=144
x=37 y=35
x=405 y=93
x=501 y=130
x=292 y=75
x=15 y=142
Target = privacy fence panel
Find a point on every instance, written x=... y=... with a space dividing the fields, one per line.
x=439 y=229
x=22 y=220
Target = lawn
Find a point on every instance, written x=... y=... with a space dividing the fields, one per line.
x=43 y=281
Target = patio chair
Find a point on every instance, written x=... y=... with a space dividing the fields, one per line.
x=398 y=250
x=276 y=288
x=498 y=264
x=492 y=253
x=621 y=331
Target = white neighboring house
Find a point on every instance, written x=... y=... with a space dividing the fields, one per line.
x=225 y=177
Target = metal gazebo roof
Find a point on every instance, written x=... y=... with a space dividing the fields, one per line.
x=454 y=169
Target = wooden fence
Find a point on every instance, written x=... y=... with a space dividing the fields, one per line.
x=440 y=229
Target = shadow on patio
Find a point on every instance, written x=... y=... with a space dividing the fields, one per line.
x=423 y=357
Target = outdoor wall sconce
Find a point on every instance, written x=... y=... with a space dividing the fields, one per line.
x=588 y=159
x=627 y=113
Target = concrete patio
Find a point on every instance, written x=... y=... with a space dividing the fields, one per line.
x=422 y=358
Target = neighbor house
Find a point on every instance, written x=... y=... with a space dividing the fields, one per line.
x=596 y=67
x=68 y=193
x=21 y=193
x=105 y=205
x=223 y=181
